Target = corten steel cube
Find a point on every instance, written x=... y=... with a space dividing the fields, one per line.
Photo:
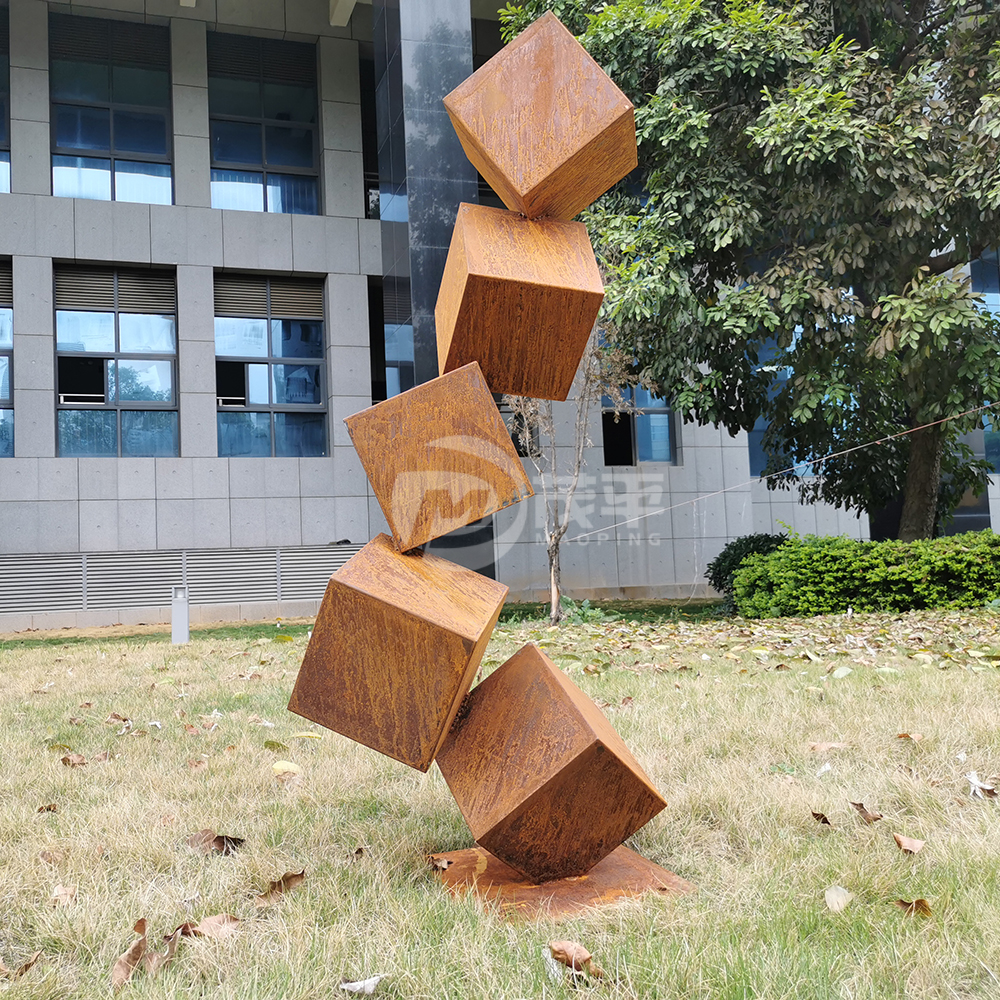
x=395 y=648
x=438 y=457
x=540 y=775
x=520 y=297
x=544 y=124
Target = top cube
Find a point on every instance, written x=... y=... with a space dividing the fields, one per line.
x=544 y=124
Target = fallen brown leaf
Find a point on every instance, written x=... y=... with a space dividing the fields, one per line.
x=287 y=881
x=129 y=961
x=821 y=819
x=63 y=895
x=158 y=960
x=74 y=760
x=824 y=747
x=50 y=808
x=208 y=841
x=908 y=845
x=918 y=908
x=191 y=730
x=915 y=737
x=573 y=955
x=197 y=764
x=218 y=926
x=102 y=756
x=21 y=969
x=866 y=814
x=50 y=857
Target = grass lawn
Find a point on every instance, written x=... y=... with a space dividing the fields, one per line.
x=732 y=720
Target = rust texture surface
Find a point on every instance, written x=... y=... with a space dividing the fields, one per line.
x=540 y=775
x=520 y=297
x=395 y=648
x=622 y=874
x=544 y=124
x=438 y=457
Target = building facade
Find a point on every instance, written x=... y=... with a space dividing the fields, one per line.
x=222 y=226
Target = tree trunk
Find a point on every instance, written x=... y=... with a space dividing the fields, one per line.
x=555 y=585
x=923 y=478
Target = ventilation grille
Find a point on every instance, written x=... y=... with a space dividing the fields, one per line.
x=132 y=579
x=97 y=581
x=227 y=576
x=145 y=291
x=240 y=295
x=4 y=32
x=236 y=295
x=85 y=288
x=124 y=43
x=396 y=303
x=301 y=299
x=6 y=285
x=306 y=572
x=247 y=58
x=41 y=583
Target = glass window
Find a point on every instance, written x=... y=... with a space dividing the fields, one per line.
x=4 y=116
x=263 y=105
x=643 y=435
x=110 y=92
x=6 y=433
x=269 y=373
x=115 y=371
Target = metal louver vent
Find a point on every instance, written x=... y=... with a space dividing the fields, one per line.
x=132 y=579
x=82 y=39
x=41 y=583
x=232 y=576
x=238 y=295
x=247 y=58
x=305 y=572
x=396 y=303
x=85 y=288
x=134 y=44
x=4 y=31
x=300 y=299
x=147 y=291
x=6 y=285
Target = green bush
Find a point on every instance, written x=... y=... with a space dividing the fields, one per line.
x=721 y=569
x=813 y=576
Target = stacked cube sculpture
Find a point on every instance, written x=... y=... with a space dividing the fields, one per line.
x=540 y=775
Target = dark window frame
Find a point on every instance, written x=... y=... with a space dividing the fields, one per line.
x=271 y=360
x=626 y=437
x=106 y=404
x=266 y=169
x=112 y=154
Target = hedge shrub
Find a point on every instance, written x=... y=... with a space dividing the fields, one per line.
x=720 y=570
x=809 y=575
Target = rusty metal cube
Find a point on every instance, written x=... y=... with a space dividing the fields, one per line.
x=438 y=457
x=544 y=124
x=520 y=297
x=540 y=775
x=395 y=648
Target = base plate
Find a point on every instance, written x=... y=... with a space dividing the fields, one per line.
x=623 y=873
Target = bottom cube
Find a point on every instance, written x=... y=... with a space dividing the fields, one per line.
x=540 y=775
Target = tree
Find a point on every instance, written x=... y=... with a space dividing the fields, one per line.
x=604 y=371
x=811 y=182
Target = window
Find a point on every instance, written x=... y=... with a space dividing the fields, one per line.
x=269 y=366
x=262 y=107
x=4 y=107
x=110 y=90
x=116 y=351
x=647 y=435
x=6 y=362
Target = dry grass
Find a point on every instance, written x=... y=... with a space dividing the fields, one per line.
x=727 y=740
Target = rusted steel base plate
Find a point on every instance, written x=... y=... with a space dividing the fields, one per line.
x=622 y=874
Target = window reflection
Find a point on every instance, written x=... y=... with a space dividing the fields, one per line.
x=87 y=432
x=237 y=337
x=4 y=172
x=247 y=434
x=4 y=378
x=81 y=177
x=6 y=433
x=146 y=334
x=147 y=183
x=238 y=190
x=85 y=331
x=299 y=435
x=149 y=433
x=6 y=328
x=292 y=194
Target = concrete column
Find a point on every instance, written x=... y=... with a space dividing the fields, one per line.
x=341 y=165
x=30 y=162
x=196 y=361
x=189 y=75
x=34 y=358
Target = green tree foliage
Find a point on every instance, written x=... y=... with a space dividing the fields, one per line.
x=815 y=178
